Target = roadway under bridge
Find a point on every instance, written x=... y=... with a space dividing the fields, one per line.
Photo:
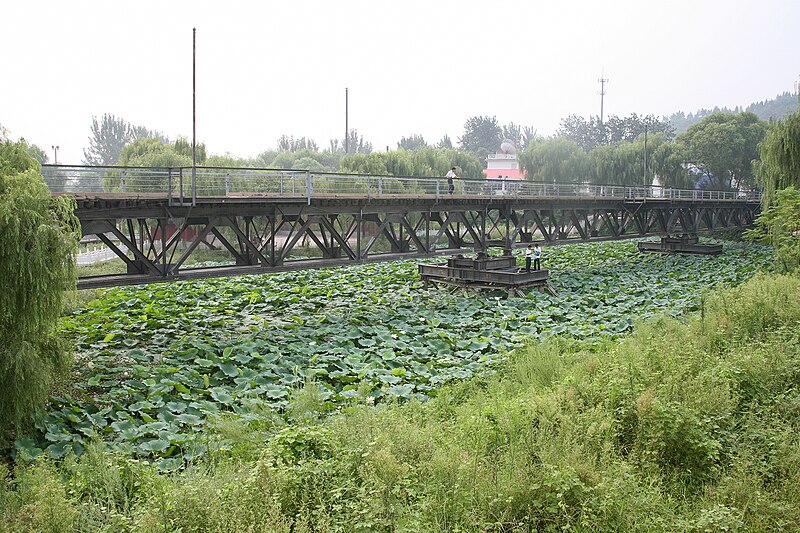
x=259 y=220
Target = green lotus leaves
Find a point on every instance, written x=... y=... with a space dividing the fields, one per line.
x=155 y=445
x=155 y=362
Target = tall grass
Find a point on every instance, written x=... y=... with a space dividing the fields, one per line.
x=681 y=427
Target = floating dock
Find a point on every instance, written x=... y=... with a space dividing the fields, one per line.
x=484 y=273
x=681 y=244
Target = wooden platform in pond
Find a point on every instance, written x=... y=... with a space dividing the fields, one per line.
x=484 y=273
x=684 y=244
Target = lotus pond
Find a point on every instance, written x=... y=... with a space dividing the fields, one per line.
x=154 y=363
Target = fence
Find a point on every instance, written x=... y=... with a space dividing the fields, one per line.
x=177 y=185
x=97 y=255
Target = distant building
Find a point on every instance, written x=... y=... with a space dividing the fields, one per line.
x=504 y=164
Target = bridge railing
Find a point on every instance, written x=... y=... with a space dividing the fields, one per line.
x=178 y=186
x=88 y=179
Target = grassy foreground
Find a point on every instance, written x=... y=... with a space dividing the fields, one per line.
x=681 y=427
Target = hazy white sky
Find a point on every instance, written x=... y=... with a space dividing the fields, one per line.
x=269 y=68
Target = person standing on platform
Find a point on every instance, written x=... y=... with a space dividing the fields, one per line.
x=450 y=176
x=528 y=257
x=537 y=257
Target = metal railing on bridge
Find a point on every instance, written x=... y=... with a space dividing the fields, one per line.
x=177 y=186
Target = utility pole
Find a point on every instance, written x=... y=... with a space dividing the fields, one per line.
x=603 y=82
x=194 y=115
x=346 y=126
x=645 y=158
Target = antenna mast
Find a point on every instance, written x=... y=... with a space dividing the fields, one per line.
x=603 y=82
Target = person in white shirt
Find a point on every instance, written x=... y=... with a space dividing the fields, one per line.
x=450 y=176
x=528 y=257
x=537 y=257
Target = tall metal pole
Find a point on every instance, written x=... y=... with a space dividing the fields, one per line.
x=55 y=153
x=194 y=115
x=603 y=82
x=645 y=158
x=346 y=125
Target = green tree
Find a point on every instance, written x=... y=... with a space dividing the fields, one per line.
x=482 y=136
x=628 y=129
x=638 y=163
x=521 y=136
x=413 y=142
x=183 y=147
x=445 y=142
x=37 y=153
x=265 y=159
x=148 y=152
x=403 y=162
x=724 y=147
x=556 y=159
x=667 y=161
x=373 y=163
x=777 y=108
x=228 y=161
x=589 y=134
x=308 y=163
x=425 y=162
x=355 y=144
x=779 y=166
x=287 y=143
x=284 y=160
x=779 y=225
x=38 y=237
x=303 y=159
x=470 y=167
x=110 y=135
x=609 y=166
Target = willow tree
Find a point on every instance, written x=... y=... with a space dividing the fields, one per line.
x=779 y=167
x=555 y=159
x=37 y=242
x=779 y=224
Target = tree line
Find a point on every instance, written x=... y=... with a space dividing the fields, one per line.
x=776 y=108
x=719 y=152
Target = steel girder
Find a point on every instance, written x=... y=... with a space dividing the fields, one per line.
x=155 y=242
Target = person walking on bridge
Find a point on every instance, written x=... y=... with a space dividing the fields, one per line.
x=450 y=176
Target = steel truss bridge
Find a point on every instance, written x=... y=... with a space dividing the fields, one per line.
x=262 y=220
